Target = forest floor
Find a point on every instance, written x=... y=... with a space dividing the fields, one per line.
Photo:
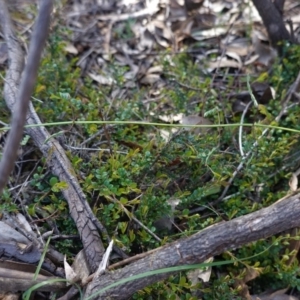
x=166 y=63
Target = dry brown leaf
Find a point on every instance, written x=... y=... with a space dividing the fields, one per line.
x=80 y=266
x=70 y=273
x=224 y=62
x=196 y=120
x=163 y=34
x=146 y=41
x=203 y=274
x=263 y=92
x=251 y=60
x=105 y=260
x=150 y=79
x=170 y=118
x=70 y=48
x=266 y=54
x=293 y=182
x=166 y=134
x=234 y=56
x=239 y=46
x=205 y=20
x=105 y=80
x=241 y=284
x=184 y=30
x=220 y=6
x=238 y=106
x=201 y=35
x=152 y=75
x=194 y=25
x=155 y=69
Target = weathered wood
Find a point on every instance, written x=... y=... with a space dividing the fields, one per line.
x=57 y=160
x=212 y=241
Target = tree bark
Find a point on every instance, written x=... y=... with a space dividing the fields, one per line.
x=279 y=4
x=273 y=21
x=212 y=241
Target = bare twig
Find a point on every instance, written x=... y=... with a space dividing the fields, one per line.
x=27 y=84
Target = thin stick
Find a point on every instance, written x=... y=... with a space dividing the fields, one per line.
x=27 y=84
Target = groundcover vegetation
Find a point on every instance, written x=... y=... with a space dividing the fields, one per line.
x=170 y=178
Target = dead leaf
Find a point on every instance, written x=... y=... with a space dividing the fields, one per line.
x=163 y=35
x=170 y=118
x=266 y=54
x=239 y=105
x=71 y=275
x=105 y=80
x=203 y=273
x=152 y=75
x=150 y=79
x=251 y=60
x=155 y=69
x=80 y=266
x=70 y=48
x=167 y=134
x=262 y=92
x=240 y=46
x=196 y=120
x=201 y=35
x=105 y=260
x=293 y=182
x=241 y=284
x=224 y=62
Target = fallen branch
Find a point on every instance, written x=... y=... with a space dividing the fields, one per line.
x=212 y=241
x=57 y=160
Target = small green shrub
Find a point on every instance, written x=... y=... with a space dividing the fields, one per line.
x=135 y=171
